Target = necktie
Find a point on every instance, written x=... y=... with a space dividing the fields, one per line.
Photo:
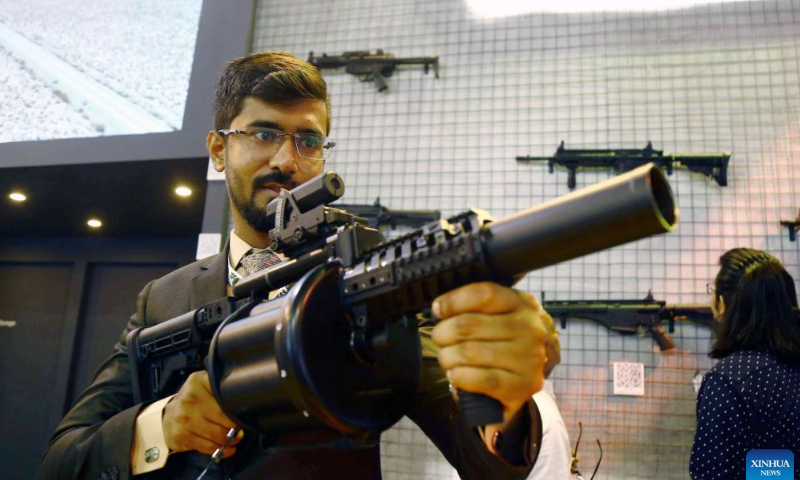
x=254 y=261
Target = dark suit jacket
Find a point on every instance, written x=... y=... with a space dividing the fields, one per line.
x=93 y=441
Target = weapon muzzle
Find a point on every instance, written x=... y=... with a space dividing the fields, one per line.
x=629 y=207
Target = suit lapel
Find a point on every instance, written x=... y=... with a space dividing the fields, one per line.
x=210 y=283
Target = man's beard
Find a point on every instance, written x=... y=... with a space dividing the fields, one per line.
x=255 y=215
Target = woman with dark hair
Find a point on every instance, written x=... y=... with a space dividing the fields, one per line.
x=749 y=400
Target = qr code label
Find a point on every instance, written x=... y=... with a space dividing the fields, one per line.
x=628 y=378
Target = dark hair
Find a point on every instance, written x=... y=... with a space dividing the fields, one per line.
x=275 y=77
x=760 y=306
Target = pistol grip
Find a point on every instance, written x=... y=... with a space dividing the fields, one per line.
x=479 y=409
x=379 y=79
x=662 y=338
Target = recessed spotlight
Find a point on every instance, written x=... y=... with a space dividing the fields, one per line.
x=183 y=191
x=17 y=196
x=94 y=223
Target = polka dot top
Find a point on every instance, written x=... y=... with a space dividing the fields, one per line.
x=748 y=400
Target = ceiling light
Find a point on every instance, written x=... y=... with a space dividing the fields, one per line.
x=17 y=196
x=94 y=223
x=182 y=191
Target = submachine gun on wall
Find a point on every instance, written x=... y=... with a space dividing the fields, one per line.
x=792 y=226
x=713 y=165
x=373 y=67
x=631 y=316
x=341 y=349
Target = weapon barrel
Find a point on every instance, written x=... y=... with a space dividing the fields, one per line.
x=415 y=60
x=279 y=275
x=627 y=208
x=701 y=157
x=328 y=62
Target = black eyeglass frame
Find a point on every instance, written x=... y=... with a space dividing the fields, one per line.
x=327 y=143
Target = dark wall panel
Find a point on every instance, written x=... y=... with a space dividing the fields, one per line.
x=109 y=302
x=70 y=299
x=35 y=296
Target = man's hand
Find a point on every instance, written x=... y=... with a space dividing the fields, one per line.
x=492 y=341
x=193 y=420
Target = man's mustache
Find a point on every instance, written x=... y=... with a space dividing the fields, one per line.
x=275 y=176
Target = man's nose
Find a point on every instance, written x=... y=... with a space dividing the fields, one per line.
x=285 y=158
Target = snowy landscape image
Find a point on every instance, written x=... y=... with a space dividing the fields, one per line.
x=86 y=68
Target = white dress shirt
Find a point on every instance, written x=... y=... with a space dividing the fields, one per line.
x=555 y=457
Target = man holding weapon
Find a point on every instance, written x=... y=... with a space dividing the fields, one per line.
x=316 y=373
x=272 y=116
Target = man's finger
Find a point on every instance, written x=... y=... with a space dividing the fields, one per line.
x=478 y=326
x=529 y=299
x=201 y=378
x=482 y=297
x=212 y=432
x=496 y=383
x=211 y=411
x=208 y=447
x=509 y=356
x=238 y=438
x=215 y=415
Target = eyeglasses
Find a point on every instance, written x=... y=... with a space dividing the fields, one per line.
x=310 y=145
x=710 y=289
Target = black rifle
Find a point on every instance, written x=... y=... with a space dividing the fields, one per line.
x=373 y=67
x=631 y=316
x=793 y=226
x=376 y=215
x=341 y=349
x=713 y=165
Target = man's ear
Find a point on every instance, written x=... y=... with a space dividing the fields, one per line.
x=215 y=145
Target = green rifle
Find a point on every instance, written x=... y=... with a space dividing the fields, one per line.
x=713 y=165
x=373 y=67
x=631 y=316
